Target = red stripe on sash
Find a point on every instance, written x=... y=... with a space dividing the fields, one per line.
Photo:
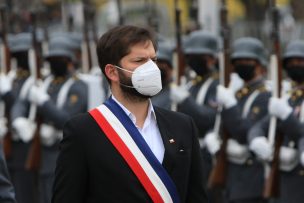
x=127 y=155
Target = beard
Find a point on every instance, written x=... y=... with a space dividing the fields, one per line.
x=128 y=91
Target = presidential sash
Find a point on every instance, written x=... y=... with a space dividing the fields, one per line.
x=128 y=141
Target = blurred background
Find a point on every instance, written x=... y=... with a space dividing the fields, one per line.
x=246 y=17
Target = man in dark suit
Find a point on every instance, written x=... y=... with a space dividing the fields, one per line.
x=92 y=168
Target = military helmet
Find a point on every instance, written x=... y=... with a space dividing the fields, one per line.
x=249 y=48
x=73 y=38
x=294 y=49
x=165 y=52
x=60 y=47
x=21 y=42
x=201 y=42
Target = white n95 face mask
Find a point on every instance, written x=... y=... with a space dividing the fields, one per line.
x=146 y=78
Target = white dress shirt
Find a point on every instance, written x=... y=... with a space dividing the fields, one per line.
x=149 y=131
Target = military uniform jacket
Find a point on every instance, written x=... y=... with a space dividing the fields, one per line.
x=12 y=98
x=76 y=102
x=90 y=169
x=293 y=136
x=203 y=114
x=245 y=181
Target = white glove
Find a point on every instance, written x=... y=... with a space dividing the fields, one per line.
x=5 y=84
x=3 y=127
x=212 y=142
x=178 y=93
x=49 y=135
x=262 y=148
x=236 y=82
x=225 y=97
x=38 y=95
x=24 y=128
x=279 y=108
x=302 y=158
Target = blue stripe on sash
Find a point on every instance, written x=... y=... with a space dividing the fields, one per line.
x=143 y=146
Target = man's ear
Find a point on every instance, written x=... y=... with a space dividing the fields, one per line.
x=111 y=72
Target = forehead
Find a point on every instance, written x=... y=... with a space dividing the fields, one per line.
x=142 y=49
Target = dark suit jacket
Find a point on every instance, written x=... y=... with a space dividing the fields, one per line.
x=90 y=170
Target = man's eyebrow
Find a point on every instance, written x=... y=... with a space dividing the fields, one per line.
x=143 y=57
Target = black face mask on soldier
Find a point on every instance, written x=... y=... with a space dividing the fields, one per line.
x=199 y=65
x=296 y=73
x=22 y=60
x=59 y=67
x=245 y=71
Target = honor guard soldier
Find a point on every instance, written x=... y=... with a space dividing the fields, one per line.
x=197 y=97
x=59 y=97
x=17 y=88
x=289 y=110
x=7 y=193
x=244 y=103
x=164 y=56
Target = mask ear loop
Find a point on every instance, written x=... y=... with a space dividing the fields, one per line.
x=123 y=69
x=126 y=71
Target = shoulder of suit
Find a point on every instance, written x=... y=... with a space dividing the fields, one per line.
x=79 y=121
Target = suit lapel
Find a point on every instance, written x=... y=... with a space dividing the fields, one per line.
x=168 y=140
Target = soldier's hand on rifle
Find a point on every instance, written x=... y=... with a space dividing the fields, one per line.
x=213 y=143
x=38 y=95
x=225 y=97
x=24 y=128
x=262 y=148
x=279 y=108
x=5 y=84
x=236 y=82
x=3 y=127
x=179 y=93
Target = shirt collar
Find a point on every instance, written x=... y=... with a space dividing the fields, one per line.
x=150 y=115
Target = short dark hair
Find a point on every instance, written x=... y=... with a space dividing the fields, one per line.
x=113 y=45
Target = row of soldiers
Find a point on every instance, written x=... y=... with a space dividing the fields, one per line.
x=62 y=92
x=246 y=105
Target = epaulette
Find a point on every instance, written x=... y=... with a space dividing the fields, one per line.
x=59 y=80
x=22 y=73
x=263 y=88
x=199 y=79
x=75 y=77
x=247 y=90
x=296 y=94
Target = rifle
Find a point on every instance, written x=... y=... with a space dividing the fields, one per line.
x=178 y=35
x=44 y=18
x=178 y=50
x=5 y=69
x=120 y=16
x=34 y=154
x=92 y=20
x=271 y=186
x=217 y=176
x=86 y=50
